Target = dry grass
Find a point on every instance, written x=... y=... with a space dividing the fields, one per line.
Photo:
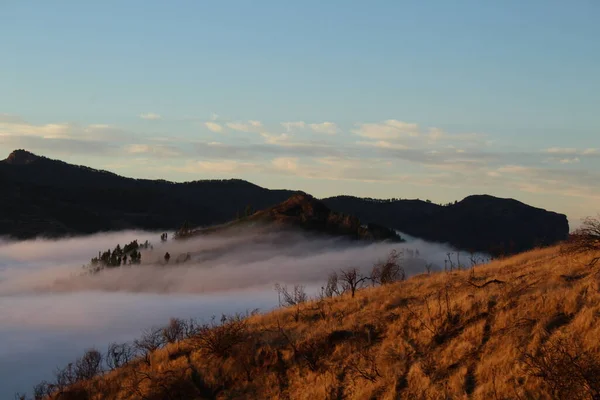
x=525 y=327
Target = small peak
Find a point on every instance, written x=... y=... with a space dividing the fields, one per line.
x=300 y=197
x=21 y=157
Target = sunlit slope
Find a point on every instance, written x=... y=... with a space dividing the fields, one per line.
x=519 y=328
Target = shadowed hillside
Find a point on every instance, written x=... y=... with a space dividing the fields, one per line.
x=309 y=214
x=478 y=223
x=47 y=197
x=521 y=328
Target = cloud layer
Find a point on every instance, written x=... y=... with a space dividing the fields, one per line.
x=51 y=311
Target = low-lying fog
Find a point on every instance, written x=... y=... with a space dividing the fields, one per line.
x=51 y=310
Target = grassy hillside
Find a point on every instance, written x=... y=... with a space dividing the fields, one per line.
x=525 y=327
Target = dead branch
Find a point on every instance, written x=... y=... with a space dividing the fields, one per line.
x=486 y=283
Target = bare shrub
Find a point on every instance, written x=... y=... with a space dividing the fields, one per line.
x=164 y=384
x=428 y=267
x=439 y=318
x=218 y=340
x=175 y=331
x=363 y=364
x=351 y=280
x=151 y=340
x=64 y=377
x=586 y=238
x=190 y=328
x=309 y=352
x=388 y=271
x=119 y=355
x=568 y=370
x=89 y=365
x=331 y=287
x=294 y=298
x=42 y=390
x=322 y=306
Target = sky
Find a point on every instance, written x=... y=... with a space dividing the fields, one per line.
x=389 y=99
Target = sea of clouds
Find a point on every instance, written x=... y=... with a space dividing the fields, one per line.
x=52 y=308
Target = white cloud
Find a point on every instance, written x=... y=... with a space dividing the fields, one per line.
x=19 y=128
x=219 y=166
x=435 y=134
x=213 y=126
x=249 y=126
x=276 y=139
x=561 y=150
x=289 y=164
x=513 y=169
x=154 y=150
x=328 y=128
x=383 y=144
x=571 y=151
x=569 y=160
x=391 y=129
x=393 y=133
x=150 y=116
x=47 y=131
x=293 y=125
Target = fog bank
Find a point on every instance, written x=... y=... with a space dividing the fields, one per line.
x=51 y=309
x=218 y=262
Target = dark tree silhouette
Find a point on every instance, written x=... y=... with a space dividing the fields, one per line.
x=351 y=280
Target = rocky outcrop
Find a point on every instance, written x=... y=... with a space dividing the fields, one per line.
x=304 y=211
x=21 y=157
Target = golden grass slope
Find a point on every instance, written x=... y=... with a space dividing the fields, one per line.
x=531 y=334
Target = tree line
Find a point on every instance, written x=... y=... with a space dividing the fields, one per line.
x=129 y=254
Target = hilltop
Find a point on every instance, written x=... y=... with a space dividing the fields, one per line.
x=305 y=212
x=521 y=327
x=45 y=197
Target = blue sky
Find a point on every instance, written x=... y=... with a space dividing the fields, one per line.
x=428 y=99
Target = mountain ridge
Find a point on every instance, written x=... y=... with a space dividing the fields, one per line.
x=46 y=197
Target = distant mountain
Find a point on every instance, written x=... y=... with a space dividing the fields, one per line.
x=45 y=197
x=477 y=223
x=307 y=213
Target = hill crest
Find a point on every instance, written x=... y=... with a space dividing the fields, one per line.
x=305 y=212
x=45 y=197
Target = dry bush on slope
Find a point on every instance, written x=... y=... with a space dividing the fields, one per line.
x=566 y=368
x=585 y=239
